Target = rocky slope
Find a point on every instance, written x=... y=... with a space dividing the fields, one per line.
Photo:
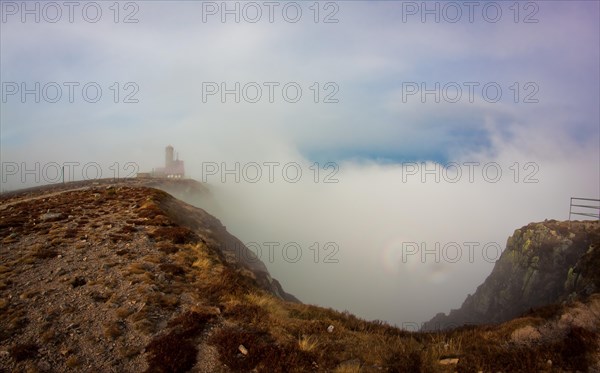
x=543 y=263
x=115 y=276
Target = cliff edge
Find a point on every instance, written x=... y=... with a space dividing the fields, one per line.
x=543 y=263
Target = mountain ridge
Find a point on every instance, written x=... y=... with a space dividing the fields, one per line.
x=118 y=276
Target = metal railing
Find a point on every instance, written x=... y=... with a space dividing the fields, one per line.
x=584 y=210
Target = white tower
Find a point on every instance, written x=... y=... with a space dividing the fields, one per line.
x=168 y=156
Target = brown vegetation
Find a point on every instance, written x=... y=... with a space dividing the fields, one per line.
x=143 y=293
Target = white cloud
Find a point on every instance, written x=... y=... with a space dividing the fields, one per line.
x=372 y=211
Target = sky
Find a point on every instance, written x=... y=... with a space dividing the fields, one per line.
x=376 y=155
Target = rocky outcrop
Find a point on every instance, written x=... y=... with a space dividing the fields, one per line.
x=216 y=236
x=543 y=263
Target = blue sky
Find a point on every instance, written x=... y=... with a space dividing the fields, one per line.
x=368 y=54
x=370 y=57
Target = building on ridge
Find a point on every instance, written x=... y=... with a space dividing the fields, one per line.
x=173 y=169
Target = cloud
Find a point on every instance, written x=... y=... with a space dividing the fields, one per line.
x=381 y=140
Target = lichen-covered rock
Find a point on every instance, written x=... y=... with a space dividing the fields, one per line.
x=543 y=263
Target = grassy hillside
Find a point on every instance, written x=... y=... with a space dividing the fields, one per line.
x=118 y=277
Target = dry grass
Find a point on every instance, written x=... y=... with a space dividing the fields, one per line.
x=139 y=268
x=190 y=323
x=23 y=351
x=203 y=263
x=351 y=367
x=171 y=292
x=123 y=312
x=128 y=229
x=100 y=297
x=128 y=352
x=113 y=330
x=28 y=294
x=266 y=326
x=45 y=252
x=245 y=313
x=48 y=335
x=308 y=343
x=172 y=269
x=161 y=300
x=72 y=362
x=167 y=247
x=171 y=353
x=116 y=237
x=155 y=258
x=176 y=351
x=268 y=302
x=145 y=325
x=264 y=354
x=443 y=346
x=176 y=235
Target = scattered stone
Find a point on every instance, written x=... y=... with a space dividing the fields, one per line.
x=51 y=216
x=78 y=281
x=330 y=329
x=44 y=366
x=448 y=361
x=350 y=365
x=243 y=350
x=525 y=335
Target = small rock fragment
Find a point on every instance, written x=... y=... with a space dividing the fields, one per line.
x=448 y=361
x=78 y=281
x=51 y=216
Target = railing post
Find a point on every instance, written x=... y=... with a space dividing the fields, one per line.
x=570 y=208
x=595 y=208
